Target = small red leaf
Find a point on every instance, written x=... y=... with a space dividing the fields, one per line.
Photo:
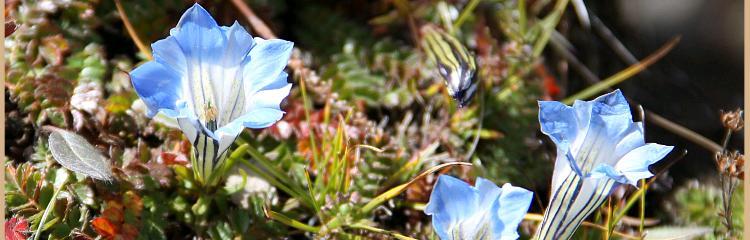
x=104 y=227
x=172 y=158
x=16 y=229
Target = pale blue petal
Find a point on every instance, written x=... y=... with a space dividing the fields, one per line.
x=559 y=122
x=451 y=201
x=168 y=52
x=605 y=170
x=613 y=111
x=233 y=96
x=631 y=139
x=607 y=150
x=239 y=43
x=160 y=88
x=261 y=117
x=512 y=207
x=609 y=121
x=255 y=118
x=488 y=193
x=613 y=103
x=190 y=127
x=270 y=98
x=564 y=164
x=268 y=59
x=198 y=34
x=609 y=113
x=635 y=163
x=261 y=109
x=203 y=43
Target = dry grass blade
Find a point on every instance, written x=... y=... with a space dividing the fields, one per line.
x=624 y=74
x=560 y=47
x=131 y=31
x=393 y=192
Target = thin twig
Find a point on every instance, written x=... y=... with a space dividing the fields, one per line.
x=612 y=41
x=682 y=132
x=255 y=22
x=131 y=31
x=559 y=46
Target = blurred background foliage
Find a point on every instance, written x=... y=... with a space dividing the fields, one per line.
x=367 y=114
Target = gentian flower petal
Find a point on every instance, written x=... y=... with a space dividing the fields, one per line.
x=271 y=95
x=599 y=147
x=203 y=43
x=634 y=165
x=451 y=201
x=275 y=54
x=159 y=87
x=460 y=211
x=558 y=121
x=168 y=52
x=214 y=81
x=512 y=207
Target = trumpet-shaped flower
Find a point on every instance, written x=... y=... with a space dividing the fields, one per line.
x=598 y=148
x=215 y=81
x=485 y=211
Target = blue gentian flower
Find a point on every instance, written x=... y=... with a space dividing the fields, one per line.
x=215 y=81
x=598 y=148
x=485 y=211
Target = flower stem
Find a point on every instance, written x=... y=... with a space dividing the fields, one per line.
x=727 y=185
x=643 y=206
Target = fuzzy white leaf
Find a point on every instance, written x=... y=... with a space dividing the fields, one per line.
x=675 y=233
x=78 y=155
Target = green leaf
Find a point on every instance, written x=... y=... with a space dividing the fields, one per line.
x=240 y=220
x=151 y=230
x=221 y=231
x=60 y=231
x=179 y=204
x=75 y=153
x=201 y=206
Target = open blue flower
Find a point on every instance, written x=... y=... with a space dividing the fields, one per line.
x=598 y=148
x=214 y=81
x=460 y=211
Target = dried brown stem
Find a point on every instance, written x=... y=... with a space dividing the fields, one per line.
x=256 y=23
x=131 y=31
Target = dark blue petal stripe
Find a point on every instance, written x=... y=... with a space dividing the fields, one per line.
x=601 y=194
x=563 y=226
x=560 y=200
x=206 y=156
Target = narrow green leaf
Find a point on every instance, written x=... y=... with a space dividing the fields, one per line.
x=289 y=222
x=393 y=192
x=61 y=177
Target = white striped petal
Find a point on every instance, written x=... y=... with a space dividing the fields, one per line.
x=604 y=149
x=214 y=81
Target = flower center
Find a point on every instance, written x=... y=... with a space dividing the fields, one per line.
x=208 y=115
